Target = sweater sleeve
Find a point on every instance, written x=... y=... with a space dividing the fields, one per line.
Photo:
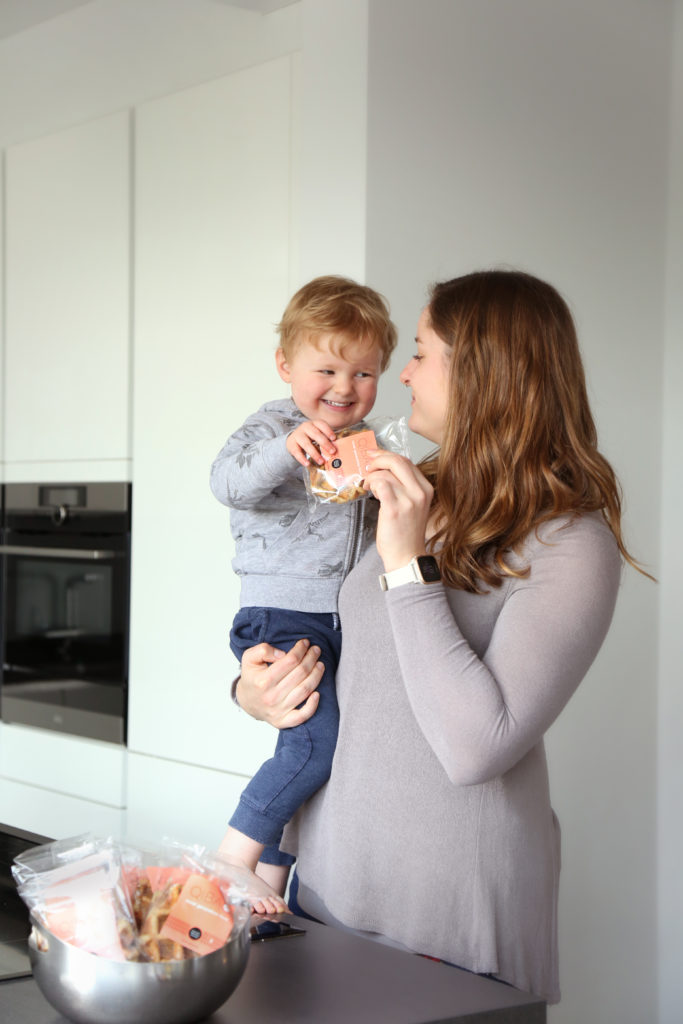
x=482 y=715
x=253 y=462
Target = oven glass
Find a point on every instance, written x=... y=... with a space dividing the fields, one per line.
x=65 y=630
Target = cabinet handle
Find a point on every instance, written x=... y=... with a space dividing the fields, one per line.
x=91 y=555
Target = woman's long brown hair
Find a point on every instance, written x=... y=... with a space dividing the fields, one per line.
x=519 y=445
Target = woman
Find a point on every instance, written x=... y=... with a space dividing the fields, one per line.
x=436 y=829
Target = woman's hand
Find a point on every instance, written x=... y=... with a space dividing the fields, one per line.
x=273 y=684
x=405 y=499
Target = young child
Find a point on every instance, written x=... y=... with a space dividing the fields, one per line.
x=336 y=338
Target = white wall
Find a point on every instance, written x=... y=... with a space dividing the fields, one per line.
x=670 y=803
x=535 y=134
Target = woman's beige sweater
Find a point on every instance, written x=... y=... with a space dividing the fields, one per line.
x=436 y=828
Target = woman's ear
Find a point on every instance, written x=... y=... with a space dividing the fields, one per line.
x=283 y=366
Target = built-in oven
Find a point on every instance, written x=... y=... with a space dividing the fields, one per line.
x=65 y=551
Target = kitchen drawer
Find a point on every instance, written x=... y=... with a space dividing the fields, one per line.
x=63 y=764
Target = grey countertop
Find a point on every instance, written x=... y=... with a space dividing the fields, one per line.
x=325 y=976
x=329 y=976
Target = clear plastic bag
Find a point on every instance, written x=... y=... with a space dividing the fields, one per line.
x=185 y=906
x=123 y=903
x=340 y=479
x=77 y=890
x=154 y=890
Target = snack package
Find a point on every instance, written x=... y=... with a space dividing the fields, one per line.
x=187 y=907
x=122 y=903
x=76 y=888
x=340 y=479
x=153 y=881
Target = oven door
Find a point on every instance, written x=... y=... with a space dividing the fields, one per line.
x=65 y=632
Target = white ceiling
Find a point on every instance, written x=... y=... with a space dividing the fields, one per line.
x=264 y=6
x=18 y=15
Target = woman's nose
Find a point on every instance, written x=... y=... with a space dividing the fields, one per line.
x=404 y=375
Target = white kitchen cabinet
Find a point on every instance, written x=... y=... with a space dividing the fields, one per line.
x=68 y=266
x=71 y=765
x=57 y=815
x=2 y=319
x=214 y=183
x=182 y=801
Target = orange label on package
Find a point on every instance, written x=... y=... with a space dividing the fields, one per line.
x=201 y=920
x=160 y=877
x=348 y=464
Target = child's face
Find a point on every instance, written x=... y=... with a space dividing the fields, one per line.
x=326 y=385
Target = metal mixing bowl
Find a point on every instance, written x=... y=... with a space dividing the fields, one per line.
x=89 y=989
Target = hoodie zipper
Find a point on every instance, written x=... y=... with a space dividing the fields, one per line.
x=354 y=546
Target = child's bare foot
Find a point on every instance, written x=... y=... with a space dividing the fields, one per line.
x=276 y=875
x=263 y=898
x=242 y=853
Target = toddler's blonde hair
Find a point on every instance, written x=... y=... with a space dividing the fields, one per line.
x=339 y=306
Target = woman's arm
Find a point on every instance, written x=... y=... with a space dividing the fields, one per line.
x=480 y=715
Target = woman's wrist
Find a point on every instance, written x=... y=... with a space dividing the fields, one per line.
x=422 y=569
x=398 y=560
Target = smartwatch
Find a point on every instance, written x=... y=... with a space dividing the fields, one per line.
x=421 y=569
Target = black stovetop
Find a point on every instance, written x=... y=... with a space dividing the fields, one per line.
x=14 y=925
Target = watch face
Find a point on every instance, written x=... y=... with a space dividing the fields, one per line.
x=429 y=568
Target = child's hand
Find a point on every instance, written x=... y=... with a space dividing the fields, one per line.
x=310 y=439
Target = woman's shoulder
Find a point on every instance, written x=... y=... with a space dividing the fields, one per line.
x=589 y=527
x=578 y=543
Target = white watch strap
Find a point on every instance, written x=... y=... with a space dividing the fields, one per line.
x=397 y=577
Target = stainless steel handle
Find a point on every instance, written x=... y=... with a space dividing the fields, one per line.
x=60 y=515
x=89 y=554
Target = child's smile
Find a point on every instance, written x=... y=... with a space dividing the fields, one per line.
x=332 y=379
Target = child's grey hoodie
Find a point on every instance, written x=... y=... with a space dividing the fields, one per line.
x=287 y=554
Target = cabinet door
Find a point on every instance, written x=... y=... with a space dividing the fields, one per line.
x=2 y=319
x=212 y=241
x=68 y=285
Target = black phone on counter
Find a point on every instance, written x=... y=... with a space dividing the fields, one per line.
x=268 y=930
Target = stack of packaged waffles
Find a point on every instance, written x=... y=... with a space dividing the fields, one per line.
x=124 y=903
